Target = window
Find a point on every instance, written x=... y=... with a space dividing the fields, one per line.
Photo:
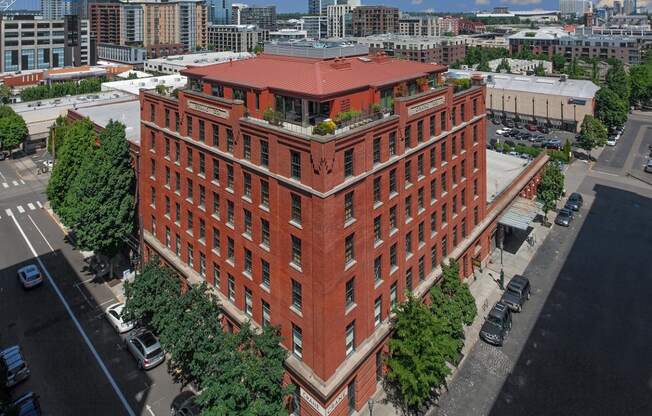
x=422 y=233
x=202 y=164
x=216 y=275
x=190 y=256
x=379 y=366
x=433 y=190
x=475 y=107
x=408 y=138
x=463 y=168
x=348 y=207
x=455 y=236
x=176 y=121
x=350 y=338
x=230 y=249
x=202 y=230
x=420 y=131
x=152 y=200
x=463 y=227
x=454 y=116
x=264 y=232
x=229 y=140
x=463 y=198
x=230 y=213
x=393 y=223
x=177 y=245
x=408 y=244
x=431 y=125
x=392 y=182
x=349 y=253
x=349 y=293
x=295 y=165
x=393 y=261
x=376 y=150
x=408 y=173
x=202 y=197
x=475 y=134
x=392 y=144
x=247 y=222
x=475 y=160
x=432 y=159
x=231 y=289
x=217 y=246
x=189 y=189
x=188 y=126
x=444 y=214
x=422 y=269
x=177 y=152
x=246 y=185
x=249 y=302
x=378 y=311
x=433 y=223
x=442 y=120
x=378 y=269
x=229 y=177
x=463 y=112
x=264 y=153
x=202 y=131
x=216 y=205
x=454 y=145
x=420 y=166
x=377 y=194
x=393 y=295
x=462 y=142
x=264 y=274
x=296 y=295
x=408 y=208
x=153 y=225
x=246 y=146
x=216 y=135
x=454 y=205
x=295 y=212
x=202 y=265
x=167 y=118
x=420 y=200
x=152 y=111
x=297 y=343
x=216 y=170
x=348 y=163
x=444 y=185
x=454 y=174
x=475 y=216
x=189 y=222
x=167 y=147
x=444 y=246
x=408 y=280
x=296 y=251
x=377 y=229
x=177 y=213
x=443 y=152
x=267 y=313
x=264 y=193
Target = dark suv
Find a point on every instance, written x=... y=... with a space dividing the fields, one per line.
x=497 y=325
x=516 y=293
x=575 y=201
x=185 y=405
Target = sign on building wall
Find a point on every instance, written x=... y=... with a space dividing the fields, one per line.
x=208 y=109
x=426 y=105
x=318 y=407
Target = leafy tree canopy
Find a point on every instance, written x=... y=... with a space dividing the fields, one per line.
x=13 y=129
x=610 y=108
x=551 y=187
x=618 y=80
x=592 y=134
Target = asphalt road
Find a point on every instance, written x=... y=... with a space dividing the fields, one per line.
x=631 y=152
x=78 y=363
x=580 y=346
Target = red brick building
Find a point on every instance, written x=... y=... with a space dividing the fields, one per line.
x=105 y=22
x=320 y=235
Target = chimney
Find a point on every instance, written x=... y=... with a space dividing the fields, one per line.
x=477 y=79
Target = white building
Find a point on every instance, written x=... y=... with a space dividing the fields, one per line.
x=174 y=64
x=339 y=20
x=53 y=9
x=288 y=34
x=522 y=66
x=133 y=86
x=575 y=7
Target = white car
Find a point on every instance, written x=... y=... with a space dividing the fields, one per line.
x=114 y=315
x=502 y=131
x=30 y=276
x=611 y=141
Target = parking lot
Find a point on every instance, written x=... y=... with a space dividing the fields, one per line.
x=552 y=134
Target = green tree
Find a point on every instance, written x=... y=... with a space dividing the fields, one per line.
x=5 y=94
x=592 y=134
x=550 y=188
x=610 y=108
x=13 y=129
x=418 y=355
x=483 y=66
x=56 y=135
x=247 y=376
x=258 y=49
x=618 y=81
x=100 y=201
x=77 y=142
x=539 y=70
x=640 y=78
x=574 y=70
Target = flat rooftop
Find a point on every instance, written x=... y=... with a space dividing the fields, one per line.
x=313 y=76
x=126 y=112
x=200 y=59
x=133 y=86
x=502 y=170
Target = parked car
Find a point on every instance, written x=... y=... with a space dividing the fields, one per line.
x=510 y=143
x=508 y=123
x=531 y=127
x=26 y=405
x=3 y=155
x=516 y=293
x=544 y=129
x=13 y=367
x=495 y=120
x=114 y=316
x=184 y=405
x=611 y=141
x=493 y=142
x=30 y=276
x=574 y=201
x=497 y=325
x=145 y=348
x=564 y=217
x=552 y=144
x=536 y=138
x=518 y=124
x=648 y=166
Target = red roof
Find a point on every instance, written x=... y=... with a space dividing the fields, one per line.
x=312 y=76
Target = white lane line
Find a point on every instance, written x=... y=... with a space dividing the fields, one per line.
x=5 y=184
x=39 y=231
x=149 y=409
x=4 y=178
x=9 y=213
x=22 y=181
x=31 y=206
x=88 y=342
x=20 y=209
x=39 y=204
x=15 y=183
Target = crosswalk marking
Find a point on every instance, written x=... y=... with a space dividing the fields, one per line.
x=8 y=212
x=39 y=204
x=5 y=184
x=31 y=206
x=15 y=183
x=22 y=181
x=20 y=209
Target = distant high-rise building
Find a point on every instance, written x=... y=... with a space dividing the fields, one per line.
x=219 y=11
x=315 y=26
x=575 y=7
x=235 y=12
x=374 y=20
x=618 y=7
x=53 y=9
x=339 y=19
x=262 y=16
x=629 y=7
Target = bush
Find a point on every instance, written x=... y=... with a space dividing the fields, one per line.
x=461 y=84
x=345 y=116
x=376 y=108
x=61 y=89
x=558 y=155
x=272 y=116
x=324 y=128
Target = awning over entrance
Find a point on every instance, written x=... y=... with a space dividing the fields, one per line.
x=521 y=213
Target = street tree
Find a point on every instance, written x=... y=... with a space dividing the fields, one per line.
x=13 y=129
x=247 y=376
x=618 y=81
x=558 y=62
x=154 y=289
x=419 y=353
x=539 y=70
x=610 y=108
x=78 y=141
x=5 y=94
x=640 y=78
x=551 y=188
x=504 y=66
x=57 y=134
x=100 y=202
x=452 y=300
x=592 y=134
x=484 y=66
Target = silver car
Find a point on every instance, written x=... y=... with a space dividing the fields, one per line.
x=145 y=348
x=30 y=276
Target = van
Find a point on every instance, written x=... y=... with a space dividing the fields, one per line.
x=13 y=367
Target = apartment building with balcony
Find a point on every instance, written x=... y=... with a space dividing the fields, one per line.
x=441 y=50
x=319 y=234
x=374 y=20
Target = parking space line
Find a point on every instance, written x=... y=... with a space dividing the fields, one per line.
x=8 y=212
x=5 y=184
x=39 y=204
x=31 y=206
x=20 y=209
x=15 y=183
x=22 y=181
x=72 y=316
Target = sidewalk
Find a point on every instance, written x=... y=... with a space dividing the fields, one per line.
x=485 y=288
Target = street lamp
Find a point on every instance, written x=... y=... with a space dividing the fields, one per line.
x=371 y=407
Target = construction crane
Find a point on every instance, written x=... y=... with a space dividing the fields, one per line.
x=6 y=4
